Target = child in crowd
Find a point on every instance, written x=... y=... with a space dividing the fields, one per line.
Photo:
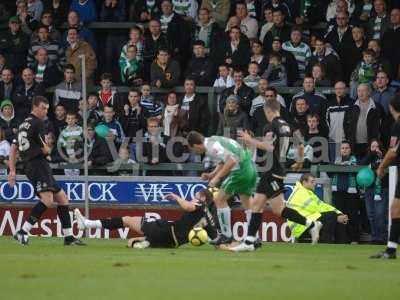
x=318 y=73
x=7 y=120
x=59 y=123
x=252 y=79
x=151 y=107
x=131 y=68
x=132 y=119
x=108 y=95
x=276 y=71
x=224 y=79
x=364 y=73
x=123 y=159
x=94 y=115
x=116 y=132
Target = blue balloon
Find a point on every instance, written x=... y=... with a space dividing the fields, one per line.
x=365 y=177
x=102 y=130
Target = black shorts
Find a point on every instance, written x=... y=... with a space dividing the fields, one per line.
x=270 y=185
x=158 y=233
x=40 y=175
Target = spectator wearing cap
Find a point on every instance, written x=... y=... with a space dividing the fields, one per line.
x=14 y=45
x=200 y=67
x=85 y=34
x=59 y=10
x=233 y=118
x=7 y=84
x=55 y=52
x=327 y=58
x=164 y=71
x=86 y=10
x=46 y=73
x=219 y=10
x=248 y=25
x=24 y=94
x=390 y=43
x=279 y=30
x=7 y=120
x=379 y=22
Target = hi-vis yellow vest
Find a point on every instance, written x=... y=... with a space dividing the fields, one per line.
x=306 y=203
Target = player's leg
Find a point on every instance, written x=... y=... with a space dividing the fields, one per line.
x=245 y=200
x=63 y=213
x=224 y=213
x=46 y=199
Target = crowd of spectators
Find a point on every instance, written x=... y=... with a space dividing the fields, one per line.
x=246 y=48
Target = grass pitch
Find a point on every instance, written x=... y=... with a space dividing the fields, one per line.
x=106 y=269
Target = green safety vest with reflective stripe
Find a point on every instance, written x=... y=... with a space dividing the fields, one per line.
x=306 y=203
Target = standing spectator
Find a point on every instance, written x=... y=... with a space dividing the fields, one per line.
x=338 y=106
x=252 y=79
x=28 y=23
x=35 y=9
x=259 y=101
x=280 y=30
x=192 y=104
x=318 y=73
x=7 y=120
x=245 y=93
x=339 y=6
x=113 y=11
x=116 y=132
x=24 y=94
x=59 y=121
x=254 y=9
x=131 y=69
x=200 y=67
x=59 y=9
x=316 y=137
x=207 y=31
x=280 y=5
x=46 y=73
x=390 y=43
x=219 y=10
x=151 y=107
x=14 y=45
x=7 y=84
x=187 y=9
x=224 y=79
x=276 y=72
x=268 y=23
x=86 y=9
x=299 y=115
x=154 y=148
x=77 y=48
x=379 y=23
x=68 y=92
x=144 y=10
x=108 y=95
x=70 y=141
x=171 y=116
x=85 y=34
x=47 y=20
x=132 y=120
x=154 y=39
x=362 y=122
x=135 y=39
x=383 y=62
x=94 y=115
x=344 y=194
x=164 y=72
x=327 y=58
x=55 y=52
x=99 y=152
x=248 y=25
x=258 y=56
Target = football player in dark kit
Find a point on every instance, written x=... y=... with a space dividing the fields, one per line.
x=33 y=150
x=162 y=233
x=277 y=134
x=391 y=156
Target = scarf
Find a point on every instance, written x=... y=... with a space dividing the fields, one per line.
x=169 y=114
x=345 y=182
x=203 y=33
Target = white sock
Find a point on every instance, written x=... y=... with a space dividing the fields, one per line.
x=67 y=231
x=27 y=226
x=224 y=218
x=392 y=245
x=93 y=224
x=248 y=213
x=309 y=222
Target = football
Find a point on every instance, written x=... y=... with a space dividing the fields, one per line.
x=198 y=236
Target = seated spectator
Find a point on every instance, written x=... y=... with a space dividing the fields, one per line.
x=122 y=160
x=14 y=45
x=382 y=62
x=344 y=196
x=131 y=68
x=280 y=30
x=233 y=119
x=208 y=31
x=86 y=10
x=219 y=10
x=258 y=56
x=280 y=5
x=98 y=149
x=154 y=39
x=28 y=23
x=276 y=71
x=94 y=115
x=268 y=22
x=47 y=20
x=46 y=73
x=164 y=72
x=338 y=105
x=316 y=137
x=7 y=120
x=187 y=9
x=24 y=94
x=200 y=67
x=327 y=58
x=132 y=120
x=252 y=79
x=78 y=47
x=224 y=79
x=151 y=106
x=68 y=92
x=299 y=115
x=59 y=120
x=245 y=93
x=142 y=11
x=379 y=22
x=362 y=122
x=53 y=156
x=108 y=95
x=191 y=104
x=135 y=38
x=113 y=11
x=59 y=10
x=84 y=33
x=318 y=73
x=7 y=84
x=4 y=148
x=116 y=133
x=364 y=73
x=248 y=25
x=300 y=50
x=390 y=43
x=288 y=61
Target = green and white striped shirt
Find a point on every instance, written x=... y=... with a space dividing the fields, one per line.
x=301 y=52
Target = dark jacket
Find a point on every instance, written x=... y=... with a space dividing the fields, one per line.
x=335 y=114
x=169 y=77
x=2 y=91
x=140 y=6
x=198 y=117
x=22 y=99
x=385 y=25
x=51 y=77
x=290 y=64
x=59 y=14
x=282 y=32
x=15 y=49
x=100 y=154
x=390 y=50
x=201 y=70
x=330 y=62
x=132 y=122
x=240 y=58
x=245 y=93
x=350 y=57
x=233 y=122
x=373 y=122
x=8 y=126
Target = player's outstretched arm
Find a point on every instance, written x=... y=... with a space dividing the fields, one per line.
x=12 y=157
x=186 y=205
x=249 y=140
x=390 y=156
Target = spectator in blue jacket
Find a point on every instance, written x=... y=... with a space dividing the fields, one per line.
x=84 y=33
x=86 y=9
x=116 y=131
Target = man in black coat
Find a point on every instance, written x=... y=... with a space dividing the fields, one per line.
x=46 y=73
x=280 y=29
x=390 y=43
x=7 y=84
x=200 y=67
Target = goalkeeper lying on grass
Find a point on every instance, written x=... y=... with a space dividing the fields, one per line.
x=162 y=233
